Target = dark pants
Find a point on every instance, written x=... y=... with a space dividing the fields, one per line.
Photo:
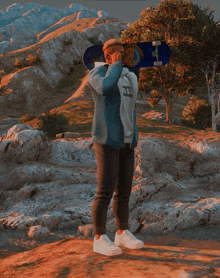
x=115 y=170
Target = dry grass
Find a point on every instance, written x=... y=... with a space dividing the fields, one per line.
x=80 y=113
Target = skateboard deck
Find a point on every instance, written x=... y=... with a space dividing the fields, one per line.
x=140 y=55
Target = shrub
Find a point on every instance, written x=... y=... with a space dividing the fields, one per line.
x=197 y=114
x=4 y=91
x=33 y=59
x=27 y=117
x=66 y=42
x=154 y=99
x=77 y=62
x=92 y=40
x=53 y=123
x=17 y=63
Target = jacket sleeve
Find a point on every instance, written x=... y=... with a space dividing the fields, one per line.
x=104 y=80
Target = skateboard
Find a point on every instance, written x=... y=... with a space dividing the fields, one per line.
x=140 y=55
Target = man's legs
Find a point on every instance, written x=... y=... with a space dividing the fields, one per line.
x=107 y=159
x=120 y=204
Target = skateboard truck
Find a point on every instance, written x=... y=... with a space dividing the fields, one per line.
x=155 y=53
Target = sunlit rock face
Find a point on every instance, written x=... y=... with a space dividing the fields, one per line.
x=50 y=184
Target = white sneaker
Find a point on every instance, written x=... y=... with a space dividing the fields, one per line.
x=105 y=246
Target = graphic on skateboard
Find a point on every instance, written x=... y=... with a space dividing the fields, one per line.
x=140 y=55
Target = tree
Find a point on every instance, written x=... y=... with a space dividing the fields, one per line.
x=175 y=22
x=205 y=51
x=1 y=73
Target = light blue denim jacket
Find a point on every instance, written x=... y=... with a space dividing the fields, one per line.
x=114 y=122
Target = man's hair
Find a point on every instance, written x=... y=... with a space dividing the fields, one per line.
x=112 y=42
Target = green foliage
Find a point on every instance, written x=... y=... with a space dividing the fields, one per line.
x=66 y=42
x=186 y=30
x=27 y=117
x=121 y=31
x=17 y=63
x=53 y=123
x=78 y=62
x=31 y=60
x=4 y=91
x=107 y=20
x=197 y=114
x=154 y=99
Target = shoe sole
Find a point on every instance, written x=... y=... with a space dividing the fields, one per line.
x=114 y=253
x=136 y=247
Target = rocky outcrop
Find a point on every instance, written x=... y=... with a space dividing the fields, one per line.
x=29 y=86
x=25 y=25
x=49 y=185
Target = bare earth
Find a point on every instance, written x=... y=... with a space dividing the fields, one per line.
x=187 y=253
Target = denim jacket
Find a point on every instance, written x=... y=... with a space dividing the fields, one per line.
x=114 y=91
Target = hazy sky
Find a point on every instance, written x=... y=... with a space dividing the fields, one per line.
x=122 y=10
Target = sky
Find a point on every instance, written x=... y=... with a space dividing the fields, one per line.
x=121 y=10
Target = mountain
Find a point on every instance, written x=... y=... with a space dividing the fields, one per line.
x=25 y=25
x=57 y=39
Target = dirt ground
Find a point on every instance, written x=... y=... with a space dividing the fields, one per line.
x=201 y=237
x=193 y=252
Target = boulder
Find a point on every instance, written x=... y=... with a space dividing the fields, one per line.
x=23 y=144
x=5 y=125
x=175 y=185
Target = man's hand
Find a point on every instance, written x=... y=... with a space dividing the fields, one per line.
x=116 y=56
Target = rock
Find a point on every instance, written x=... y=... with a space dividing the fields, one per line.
x=23 y=144
x=5 y=124
x=68 y=135
x=57 y=191
x=28 y=87
x=84 y=92
x=46 y=75
x=32 y=19
x=153 y=115
x=37 y=232
x=47 y=185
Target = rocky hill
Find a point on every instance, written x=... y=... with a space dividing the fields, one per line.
x=51 y=184
x=25 y=25
x=47 y=43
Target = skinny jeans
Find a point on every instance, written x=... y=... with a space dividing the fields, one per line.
x=115 y=170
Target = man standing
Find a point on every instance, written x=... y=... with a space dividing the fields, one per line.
x=115 y=135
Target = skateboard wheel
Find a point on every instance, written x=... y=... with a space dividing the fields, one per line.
x=158 y=63
x=155 y=43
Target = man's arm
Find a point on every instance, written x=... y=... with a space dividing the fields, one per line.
x=104 y=81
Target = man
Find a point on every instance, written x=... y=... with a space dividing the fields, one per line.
x=115 y=135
